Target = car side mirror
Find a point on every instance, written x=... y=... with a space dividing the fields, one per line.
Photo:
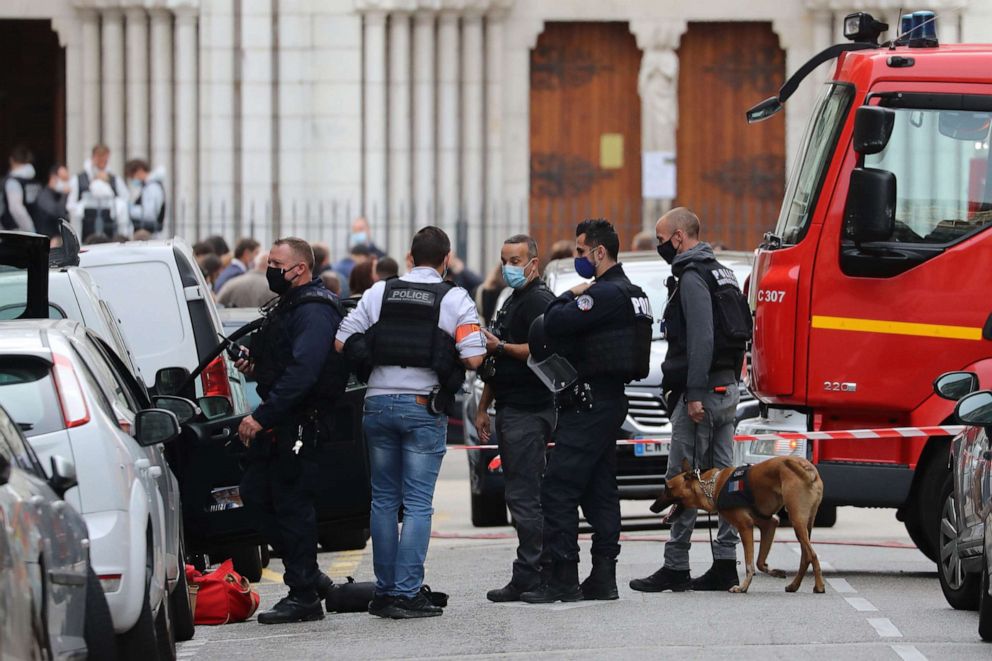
x=184 y=409
x=215 y=407
x=975 y=409
x=63 y=475
x=170 y=380
x=154 y=426
x=763 y=110
x=955 y=385
x=870 y=212
x=872 y=129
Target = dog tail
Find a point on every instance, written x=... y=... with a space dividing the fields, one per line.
x=805 y=470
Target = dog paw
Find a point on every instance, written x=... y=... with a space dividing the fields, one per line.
x=777 y=573
x=791 y=588
x=819 y=590
x=736 y=590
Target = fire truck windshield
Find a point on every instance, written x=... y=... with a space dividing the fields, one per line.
x=940 y=159
x=814 y=156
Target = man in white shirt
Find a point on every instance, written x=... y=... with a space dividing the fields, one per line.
x=419 y=334
x=98 y=198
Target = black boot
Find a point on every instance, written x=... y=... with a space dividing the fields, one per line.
x=663 y=579
x=562 y=586
x=293 y=609
x=324 y=586
x=720 y=577
x=602 y=581
x=512 y=591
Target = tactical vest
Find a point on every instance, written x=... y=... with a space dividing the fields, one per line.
x=510 y=371
x=29 y=194
x=621 y=348
x=97 y=220
x=160 y=219
x=272 y=349
x=407 y=333
x=732 y=323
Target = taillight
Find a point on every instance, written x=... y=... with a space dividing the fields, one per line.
x=110 y=582
x=215 y=380
x=70 y=393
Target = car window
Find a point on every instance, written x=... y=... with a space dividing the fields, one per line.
x=91 y=385
x=28 y=394
x=113 y=324
x=133 y=389
x=95 y=359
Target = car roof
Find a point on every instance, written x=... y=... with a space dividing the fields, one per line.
x=29 y=337
x=131 y=251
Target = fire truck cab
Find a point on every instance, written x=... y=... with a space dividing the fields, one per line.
x=878 y=275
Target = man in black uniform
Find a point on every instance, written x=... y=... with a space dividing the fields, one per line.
x=299 y=377
x=604 y=330
x=707 y=325
x=525 y=413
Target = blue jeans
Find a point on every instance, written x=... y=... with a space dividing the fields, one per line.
x=406 y=446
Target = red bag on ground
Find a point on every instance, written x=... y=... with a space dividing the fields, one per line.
x=223 y=596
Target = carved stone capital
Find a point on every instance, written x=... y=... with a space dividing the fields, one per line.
x=654 y=34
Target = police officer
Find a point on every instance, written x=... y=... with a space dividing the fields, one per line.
x=525 y=413
x=417 y=333
x=700 y=385
x=19 y=193
x=299 y=377
x=604 y=330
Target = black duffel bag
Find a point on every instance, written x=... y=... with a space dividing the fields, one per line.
x=352 y=597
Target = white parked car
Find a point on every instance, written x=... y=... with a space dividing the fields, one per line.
x=73 y=398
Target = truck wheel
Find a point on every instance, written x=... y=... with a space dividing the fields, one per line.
x=985 y=605
x=182 y=614
x=488 y=510
x=826 y=516
x=98 y=627
x=343 y=539
x=247 y=561
x=961 y=590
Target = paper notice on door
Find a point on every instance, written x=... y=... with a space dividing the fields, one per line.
x=658 y=175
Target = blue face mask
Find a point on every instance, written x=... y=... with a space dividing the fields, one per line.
x=359 y=238
x=514 y=275
x=584 y=267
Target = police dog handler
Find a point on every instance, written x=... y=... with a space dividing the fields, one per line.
x=525 y=410
x=418 y=333
x=701 y=372
x=299 y=378
x=604 y=330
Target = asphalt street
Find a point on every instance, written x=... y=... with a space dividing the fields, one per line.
x=883 y=601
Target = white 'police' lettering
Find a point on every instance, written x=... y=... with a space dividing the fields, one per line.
x=412 y=296
x=725 y=277
x=642 y=306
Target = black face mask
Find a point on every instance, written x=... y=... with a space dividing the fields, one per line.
x=667 y=251
x=278 y=283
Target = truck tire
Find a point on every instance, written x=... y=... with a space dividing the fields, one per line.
x=961 y=590
x=98 y=627
x=985 y=605
x=182 y=613
x=488 y=510
x=247 y=561
x=826 y=516
x=343 y=539
x=922 y=519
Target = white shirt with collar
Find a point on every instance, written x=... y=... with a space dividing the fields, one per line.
x=458 y=314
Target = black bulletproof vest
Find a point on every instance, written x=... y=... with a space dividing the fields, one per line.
x=407 y=333
x=732 y=323
x=96 y=221
x=29 y=194
x=273 y=351
x=511 y=372
x=160 y=219
x=620 y=348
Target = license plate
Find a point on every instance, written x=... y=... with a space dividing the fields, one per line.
x=650 y=449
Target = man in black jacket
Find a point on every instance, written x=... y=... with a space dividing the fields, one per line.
x=525 y=413
x=299 y=377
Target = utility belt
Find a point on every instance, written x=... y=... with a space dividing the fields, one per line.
x=300 y=438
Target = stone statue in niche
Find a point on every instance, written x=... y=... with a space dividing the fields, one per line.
x=657 y=84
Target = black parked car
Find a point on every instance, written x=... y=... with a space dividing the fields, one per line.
x=965 y=534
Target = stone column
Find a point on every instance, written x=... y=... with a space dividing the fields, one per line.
x=91 y=88
x=400 y=152
x=521 y=36
x=186 y=147
x=255 y=56
x=447 y=125
x=112 y=87
x=136 y=38
x=70 y=32
x=423 y=120
x=496 y=204
x=161 y=110
x=374 y=203
x=473 y=132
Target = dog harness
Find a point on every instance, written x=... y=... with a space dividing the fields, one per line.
x=737 y=494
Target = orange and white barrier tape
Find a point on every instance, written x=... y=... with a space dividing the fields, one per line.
x=845 y=435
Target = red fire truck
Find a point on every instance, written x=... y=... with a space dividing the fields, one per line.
x=878 y=275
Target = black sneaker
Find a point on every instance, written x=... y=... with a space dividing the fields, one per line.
x=439 y=599
x=292 y=609
x=720 y=577
x=405 y=608
x=381 y=605
x=662 y=580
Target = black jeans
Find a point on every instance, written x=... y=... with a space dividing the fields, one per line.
x=583 y=471
x=279 y=492
x=523 y=437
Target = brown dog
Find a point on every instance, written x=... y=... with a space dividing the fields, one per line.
x=791 y=482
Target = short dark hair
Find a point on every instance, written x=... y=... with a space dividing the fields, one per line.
x=360 y=249
x=245 y=245
x=300 y=248
x=201 y=248
x=320 y=254
x=386 y=268
x=523 y=238
x=600 y=232
x=430 y=246
x=54 y=170
x=134 y=165
x=360 y=280
x=21 y=154
x=218 y=243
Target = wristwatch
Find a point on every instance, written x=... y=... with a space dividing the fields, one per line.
x=501 y=347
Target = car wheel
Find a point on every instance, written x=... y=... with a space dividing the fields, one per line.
x=915 y=530
x=927 y=505
x=165 y=635
x=182 y=613
x=961 y=590
x=247 y=561
x=343 y=539
x=488 y=510
x=985 y=605
x=98 y=627
x=139 y=642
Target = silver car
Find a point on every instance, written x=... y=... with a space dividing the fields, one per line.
x=51 y=603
